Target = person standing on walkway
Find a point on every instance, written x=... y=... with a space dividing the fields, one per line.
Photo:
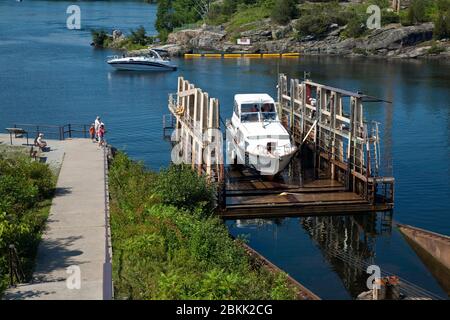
x=97 y=126
x=92 y=132
x=101 y=135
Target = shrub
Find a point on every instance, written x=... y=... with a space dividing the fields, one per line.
x=182 y=187
x=284 y=11
x=416 y=12
x=355 y=28
x=316 y=19
x=435 y=49
x=25 y=191
x=139 y=36
x=99 y=37
x=388 y=17
x=442 y=20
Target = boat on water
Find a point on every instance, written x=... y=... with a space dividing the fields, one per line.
x=155 y=60
x=256 y=136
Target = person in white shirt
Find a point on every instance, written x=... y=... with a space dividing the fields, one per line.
x=41 y=143
x=97 y=126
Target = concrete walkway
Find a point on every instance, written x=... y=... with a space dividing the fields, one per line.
x=75 y=236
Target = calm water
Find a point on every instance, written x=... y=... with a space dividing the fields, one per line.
x=51 y=75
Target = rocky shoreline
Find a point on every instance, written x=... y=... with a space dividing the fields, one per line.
x=391 y=41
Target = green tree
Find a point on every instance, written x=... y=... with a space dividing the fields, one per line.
x=174 y=13
x=139 y=36
x=417 y=11
x=284 y=11
x=99 y=37
x=442 y=20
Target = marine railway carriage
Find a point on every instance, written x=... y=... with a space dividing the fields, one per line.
x=339 y=171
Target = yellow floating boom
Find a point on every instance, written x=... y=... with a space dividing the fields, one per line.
x=252 y=55
x=290 y=55
x=244 y=55
x=212 y=55
x=192 y=55
x=232 y=55
x=271 y=55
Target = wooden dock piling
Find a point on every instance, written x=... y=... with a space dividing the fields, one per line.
x=197 y=127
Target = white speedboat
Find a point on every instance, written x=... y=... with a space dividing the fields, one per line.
x=256 y=137
x=150 y=62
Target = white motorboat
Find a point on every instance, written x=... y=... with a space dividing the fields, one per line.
x=150 y=62
x=256 y=137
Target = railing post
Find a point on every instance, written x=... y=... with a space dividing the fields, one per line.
x=70 y=131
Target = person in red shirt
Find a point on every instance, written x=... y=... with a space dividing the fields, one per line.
x=92 y=132
x=101 y=135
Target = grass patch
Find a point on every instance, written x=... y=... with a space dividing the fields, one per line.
x=247 y=18
x=13 y=152
x=435 y=49
x=168 y=244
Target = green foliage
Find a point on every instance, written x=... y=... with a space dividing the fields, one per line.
x=174 y=13
x=284 y=11
x=355 y=28
x=316 y=18
x=388 y=17
x=246 y=18
x=182 y=187
x=99 y=37
x=442 y=20
x=435 y=49
x=165 y=250
x=139 y=36
x=419 y=11
x=25 y=191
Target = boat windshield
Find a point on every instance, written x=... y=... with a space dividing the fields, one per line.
x=253 y=112
x=268 y=112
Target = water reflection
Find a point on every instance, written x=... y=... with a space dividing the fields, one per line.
x=348 y=244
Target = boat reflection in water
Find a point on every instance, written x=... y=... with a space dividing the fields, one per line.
x=348 y=244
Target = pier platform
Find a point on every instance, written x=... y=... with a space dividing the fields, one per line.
x=249 y=195
x=75 y=240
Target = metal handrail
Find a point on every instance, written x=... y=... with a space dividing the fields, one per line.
x=60 y=132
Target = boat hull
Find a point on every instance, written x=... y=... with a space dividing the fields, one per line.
x=142 y=66
x=266 y=165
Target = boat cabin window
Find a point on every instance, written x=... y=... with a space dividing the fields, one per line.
x=268 y=111
x=250 y=112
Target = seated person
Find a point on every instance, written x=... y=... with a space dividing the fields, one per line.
x=40 y=142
